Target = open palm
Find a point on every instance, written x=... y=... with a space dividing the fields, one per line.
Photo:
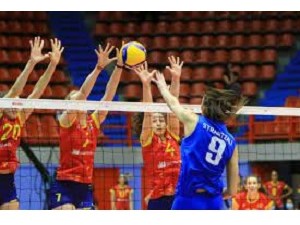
x=144 y=74
x=55 y=54
x=175 y=66
x=103 y=55
x=36 y=50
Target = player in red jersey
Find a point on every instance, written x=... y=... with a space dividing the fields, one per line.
x=274 y=189
x=78 y=141
x=121 y=195
x=159 y=138
x=12 y=121
x=251 y=199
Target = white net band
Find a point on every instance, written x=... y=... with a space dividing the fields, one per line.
x=130 y=106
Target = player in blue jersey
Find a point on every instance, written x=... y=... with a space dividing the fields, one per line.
x=207 y=147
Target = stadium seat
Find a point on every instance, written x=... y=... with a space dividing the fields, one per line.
x=206 y=41
x=3 y=26
x=184 y=90
x=286 y=25
x=269 y=55
x=14 y=27
x=191 y=41
x=159 y=42
x=155 y=57
x=115 y=41
x=131 y=28
x=186 y=74
x=196 y=101
x=208 y=26
x=217 y=73
x=116 y=28
x=41 y=28
x=197 y=89
x=249 y=72
x=249 y=88
x=253 y=55
x=32 y=132
x=270 y=40
x=267 y=72
x=39 y=15
x=237 y=55
x=193 y=27
x=59 y=91
x=47 y=93
x=177 y=27
x=286 y=40
x=174 y=42
x=146 y=41
x=4 y=75
x=200 y=74
x=147 y=28
x=14 y=73
x=50 y=130
x=221 y=56
x=3 y=42
x=14 y=42
x=59 y=77
x=3 y=87
x=255 y=25
x=15 y=57
x=102 y=28
x=4 y=57
x=28 y=27
x=223 y=26
x=239 y=26
x=184 y=100
x=167 y=75
x=222 y=41
x=218 y=85
x=254 y=40
x=170 y=53
x=204 y=56
x=271 y=25
x=238 y=40
x=33 y=77
x=27 y=90
x=187 y=56
x=161 y=27
x=132 y=92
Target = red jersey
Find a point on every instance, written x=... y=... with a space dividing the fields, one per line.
x=162 y=164
x=77 y=149
x=122 y=196
x=243 y=203
x=10 y=132
x=276 y=190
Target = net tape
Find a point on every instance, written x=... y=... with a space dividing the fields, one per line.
x=130 y=106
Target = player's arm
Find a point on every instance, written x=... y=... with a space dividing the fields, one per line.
x=175 y=70
x=68 y=117
x=289 y=191
x=35 y=57
x=42 y=83
x=146 y=77
x=131 y=199
x=187 y=117
x=233 y=173
x=112 y=199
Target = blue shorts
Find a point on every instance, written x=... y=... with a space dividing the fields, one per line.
x=162 y=203
x=8 y=191
x=70 y=192
x=203 y=201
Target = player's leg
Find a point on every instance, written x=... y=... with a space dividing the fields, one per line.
x=60 y=197
x=83 y=196
x=162 y=203
x=8 y=193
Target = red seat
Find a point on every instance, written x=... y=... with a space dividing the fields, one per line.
x=147 y=28
x=101 y=28
x=155 y=57
x=59 y=77
x=237 y=40
x=4 y=57
x=197 y=89
x=32 y=132
x=255 y=25
x=286 y=25
x=249 y=88
x=217 y=73
x=28 y=27
x=50 y=129
x=187 y=56
x=3 y=42
x=131 y=28
x=271 y=25
x=27 y=90
x=167 y=74
x=267 y=72
x=14 y=27
x=249 y=72
x=114 y=41
x=253 y=55
x=222 y=41
x=263 y=129
x=170 y=53
x=270 y=40
x=237 y=55
x=174 y=42
x=204 y=56
x=286 y=40
x=4 y=75
x=208 y=26
x=15 y=57
x=218 y=85
x=269 y=55
x=184 y=100
x=177 y=27
x=223 y=26
x=41 y=28
x=193 y=27
x=159 y=42
x=47 y=93
x=14 y=42
x=190 y=41
x=196 y=101
x=239 y=26
x=207 y=41
x=116 y=28
x=40 y=15
x=132 y=91
x=221 y=56
x=3 y=26
x=59 y=91
x=161 y=27
x=146 y=41
x=200 y=74
x=184 y=90
x=3 y=87
x=14 y=73
x=186 y=74
x=291 y=101
x=254 y=40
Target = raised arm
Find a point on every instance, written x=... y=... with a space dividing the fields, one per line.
x=146 y=78
x=187 y=117
x=112 y=199
x=233 y=173
x=175 y=70
x=68 y=117
x=42 y=83
x=36 y=56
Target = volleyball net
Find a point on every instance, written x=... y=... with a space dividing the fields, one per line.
x=268 y=139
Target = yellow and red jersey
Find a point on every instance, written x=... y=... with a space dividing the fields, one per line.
x=276 y=190
x=77 y=150
x=243 y=202
x=162 y=164
x=10 y=136
x=122 y=194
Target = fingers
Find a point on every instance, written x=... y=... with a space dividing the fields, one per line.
x=61 y=50
x=181 y=64
x=107 y=47
x=31 y=44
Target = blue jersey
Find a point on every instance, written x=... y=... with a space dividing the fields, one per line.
x=205 y=154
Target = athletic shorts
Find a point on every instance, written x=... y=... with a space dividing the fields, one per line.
x=8 y=191
x=69 y=192
x=162 y=203
x=202 y=201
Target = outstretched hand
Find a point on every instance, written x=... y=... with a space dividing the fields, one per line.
x=36 y=50
x=103 y=55
x=175 y=66
x=142 y=71
x=160 y=80
x=55 y=54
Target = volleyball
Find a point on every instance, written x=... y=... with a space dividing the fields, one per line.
x=133 y=53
